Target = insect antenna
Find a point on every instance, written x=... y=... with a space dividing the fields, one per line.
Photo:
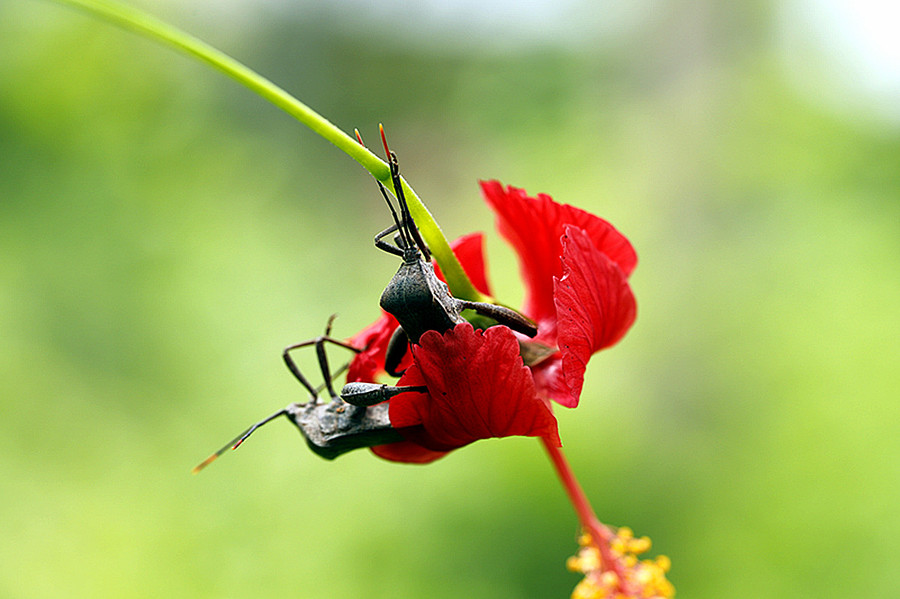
x=404 y=235
x=236 y=442
x=412 y=232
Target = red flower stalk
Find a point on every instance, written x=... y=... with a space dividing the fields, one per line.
x=497 y=383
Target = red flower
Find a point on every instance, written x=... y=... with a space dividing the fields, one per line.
x=575 y=267
x=478 y=388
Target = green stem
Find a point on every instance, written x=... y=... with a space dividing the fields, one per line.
x=153 y=28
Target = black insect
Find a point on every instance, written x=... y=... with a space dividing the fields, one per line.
x=416 y=297
x=334 y=427
x=420 y=301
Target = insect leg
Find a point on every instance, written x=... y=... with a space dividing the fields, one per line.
x=502 y=315
x=369 y=394
x=397 y=250
x=319 y=343
x=396 y=349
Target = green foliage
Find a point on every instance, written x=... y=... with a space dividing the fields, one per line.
x=163 y=234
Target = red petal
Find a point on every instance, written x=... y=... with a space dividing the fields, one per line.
x=469 y=250
x=534 y=226
x=477 y=388
x=550 y=381
x=407 y=452
x=595 y=306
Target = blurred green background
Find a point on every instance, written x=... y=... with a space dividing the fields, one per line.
x=164 y=234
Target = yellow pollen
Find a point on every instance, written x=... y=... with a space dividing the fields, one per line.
x=642 y=579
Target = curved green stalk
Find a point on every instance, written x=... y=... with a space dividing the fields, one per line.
x=153 y=28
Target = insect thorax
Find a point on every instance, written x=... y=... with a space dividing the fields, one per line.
x=419 y=300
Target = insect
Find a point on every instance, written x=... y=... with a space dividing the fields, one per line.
x=416 y=297
x=420 y=301
x=330 y=428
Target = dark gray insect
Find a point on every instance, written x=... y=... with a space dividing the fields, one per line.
x=337 y=426
x=416 y=297
x=420 y=301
